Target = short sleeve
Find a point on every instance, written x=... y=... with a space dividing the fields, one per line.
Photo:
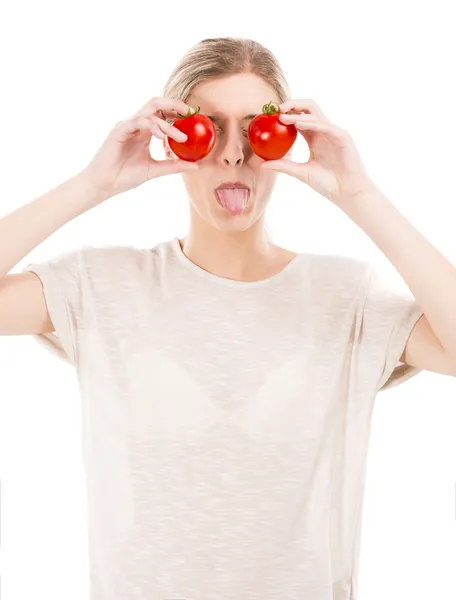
x=390 y=313
x=64 y=280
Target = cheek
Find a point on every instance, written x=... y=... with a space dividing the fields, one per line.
x=265 y=184
x=196 y=184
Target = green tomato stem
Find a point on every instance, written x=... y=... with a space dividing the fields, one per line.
x=270 y=108
x=189 y=113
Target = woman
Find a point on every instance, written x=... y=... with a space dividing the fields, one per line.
x=227 y=383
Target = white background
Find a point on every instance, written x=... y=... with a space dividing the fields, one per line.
x=382 y=70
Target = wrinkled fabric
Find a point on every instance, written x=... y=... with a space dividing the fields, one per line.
x=225 y=423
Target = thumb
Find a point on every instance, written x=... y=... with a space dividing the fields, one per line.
x=288 y=167
x=172 y=166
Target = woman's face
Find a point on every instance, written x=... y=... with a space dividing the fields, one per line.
x=227 y=100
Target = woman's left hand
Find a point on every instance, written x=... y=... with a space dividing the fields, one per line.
x=334 y=168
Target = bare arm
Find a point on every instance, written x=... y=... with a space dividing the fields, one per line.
x=122 y=163
x=25 y=228
x=22 y=304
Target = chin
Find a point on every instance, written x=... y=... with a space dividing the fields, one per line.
x=221 y=219
x=232 y=225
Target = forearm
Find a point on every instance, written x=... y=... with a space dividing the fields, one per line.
x=430 y=276
x=26 y=227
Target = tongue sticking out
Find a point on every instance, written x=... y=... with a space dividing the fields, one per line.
x=234 y=200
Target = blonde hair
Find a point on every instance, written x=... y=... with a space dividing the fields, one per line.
x=222 y=57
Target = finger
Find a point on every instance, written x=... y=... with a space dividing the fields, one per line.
x=170 y=106
x=170 y=130
x=305 y=106
x=303 y=122
x=157 y=131
x=292 y=118
x=301 y=171
x=170 y=115
x=131 y=127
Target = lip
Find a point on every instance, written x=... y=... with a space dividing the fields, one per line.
x=232 y=185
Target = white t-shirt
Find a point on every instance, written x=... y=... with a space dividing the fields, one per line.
x=225 y=423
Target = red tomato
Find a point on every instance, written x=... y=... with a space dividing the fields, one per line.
x=201 y=136
x=269 y=138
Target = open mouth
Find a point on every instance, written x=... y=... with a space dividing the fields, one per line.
x=234 y=200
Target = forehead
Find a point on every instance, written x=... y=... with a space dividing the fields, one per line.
x=238 y=97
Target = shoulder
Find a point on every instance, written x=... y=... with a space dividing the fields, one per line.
x=107 y=258
x=340 y=271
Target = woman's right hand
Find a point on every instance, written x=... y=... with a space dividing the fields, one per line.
x=124 y=162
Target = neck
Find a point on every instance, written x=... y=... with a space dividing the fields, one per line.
x=242 y=255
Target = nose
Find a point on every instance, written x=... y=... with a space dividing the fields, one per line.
x=234 y=147
x=232 y=159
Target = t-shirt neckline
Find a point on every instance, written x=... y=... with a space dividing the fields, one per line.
x=187 y=263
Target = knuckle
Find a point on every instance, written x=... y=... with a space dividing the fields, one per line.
x=133 y=120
